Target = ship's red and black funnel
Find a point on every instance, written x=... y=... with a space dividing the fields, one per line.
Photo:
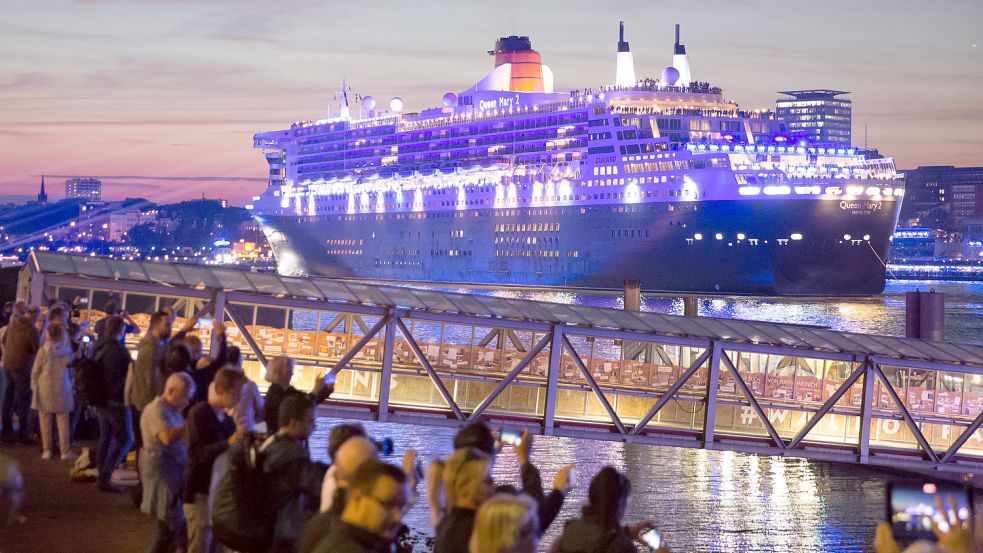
x=527 y=66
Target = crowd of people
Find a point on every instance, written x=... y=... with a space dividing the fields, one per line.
x=225 y=468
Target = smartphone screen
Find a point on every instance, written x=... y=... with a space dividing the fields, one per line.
x=511 y=437
x=651 y=538
x=911 y=507
x=206 y=322
x=330 y=379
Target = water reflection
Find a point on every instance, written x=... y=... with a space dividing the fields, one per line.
x=701 y=500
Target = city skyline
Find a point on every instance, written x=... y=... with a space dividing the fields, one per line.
x=151 y=95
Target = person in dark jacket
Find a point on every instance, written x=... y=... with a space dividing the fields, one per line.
x=210 y=433
x=115 y=419
x=378 y=497
x=112 y=310
x=292 y=478
x=205 y=368
x=600 y=529
x=279 y=374
x=21 y=343
x=467 y=483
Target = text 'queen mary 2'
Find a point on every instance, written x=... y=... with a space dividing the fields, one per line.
x=510 y=182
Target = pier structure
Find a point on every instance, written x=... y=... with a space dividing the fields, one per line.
x=430 y=357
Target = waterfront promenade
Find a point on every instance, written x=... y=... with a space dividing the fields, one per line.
x=66 y=517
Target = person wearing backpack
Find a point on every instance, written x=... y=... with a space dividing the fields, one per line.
x=600 y=530
x=269 y=491
x=293 y=480
x=110 y=361
x=210 y=433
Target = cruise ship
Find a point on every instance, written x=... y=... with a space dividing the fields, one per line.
x=514 y=183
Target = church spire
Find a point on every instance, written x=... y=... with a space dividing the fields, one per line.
x=42 y=196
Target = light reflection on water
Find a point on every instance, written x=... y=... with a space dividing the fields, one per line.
x=709 y=501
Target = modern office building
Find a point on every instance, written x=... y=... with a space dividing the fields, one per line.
x=820 y=116
x=958 y=190
x=84 y=188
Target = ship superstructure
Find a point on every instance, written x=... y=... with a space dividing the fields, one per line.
x=512 y=182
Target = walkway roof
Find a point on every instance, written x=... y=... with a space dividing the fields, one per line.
x=173 y=275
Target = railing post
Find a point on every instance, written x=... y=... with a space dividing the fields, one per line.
x=553 y=378
x=866 y=407
x=713 y=378
x=218 y=315
x=385 y=379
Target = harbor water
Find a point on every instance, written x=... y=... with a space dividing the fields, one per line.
x=712 y=501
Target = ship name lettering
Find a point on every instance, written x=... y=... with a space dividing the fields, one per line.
x=858 y=207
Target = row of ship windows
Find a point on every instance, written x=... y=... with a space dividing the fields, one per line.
x=451 y=253
x=345 y=252
x=677 y=165
x=344 y=242
x=529 y=240
x=504 y=213
x=531 y=227
x=477 y=128
x=561 y=198
x=630 y=233
x=403 y=251
x=527 y=253
x=379 y=263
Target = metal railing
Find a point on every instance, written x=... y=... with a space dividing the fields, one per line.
x=443 y=368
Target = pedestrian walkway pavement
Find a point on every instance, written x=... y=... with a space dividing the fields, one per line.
x=61 y=516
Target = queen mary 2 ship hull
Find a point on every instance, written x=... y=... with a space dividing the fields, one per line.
x=511 y=182
x=768 y=247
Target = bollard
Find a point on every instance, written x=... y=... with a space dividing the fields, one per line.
x=689 y=306
x=633 y=295
x=931 y=320
x=912 y=314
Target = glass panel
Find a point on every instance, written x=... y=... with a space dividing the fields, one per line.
x=949 y=394
x=368 y=294
x=92 y=266
x=499 y=307
x=198 y=277
x=55 y=263
x=402 y=297
x=268 y=332
x=161 y=272
x=434 y=301
x=468 y=304
x=921 y=391
x=301 y=335
x=301 y=288
x=266 y=284
x=334 y=290
x=232 y=280
x=332 y=336
x=126 y=270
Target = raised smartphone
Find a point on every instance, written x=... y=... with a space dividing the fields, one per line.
x=911 y=507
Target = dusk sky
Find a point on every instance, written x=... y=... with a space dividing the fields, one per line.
x=138 y=90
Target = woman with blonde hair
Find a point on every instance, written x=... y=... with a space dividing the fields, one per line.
x=506 y=523
x=467 y=485
x=51 y=382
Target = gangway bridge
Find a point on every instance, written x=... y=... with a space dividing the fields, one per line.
x=428 y=357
